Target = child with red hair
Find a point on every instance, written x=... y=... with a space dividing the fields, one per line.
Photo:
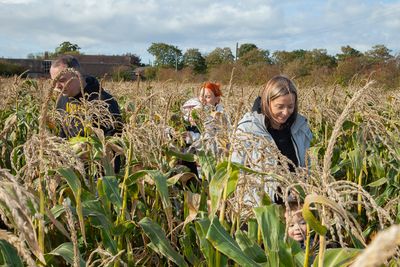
x=209 y=99
x=210 y=94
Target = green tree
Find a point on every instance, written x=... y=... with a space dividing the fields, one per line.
x=166 y=56
x=134 y=59
x=194 y=60
x=67 y=47
x=219 y=56
x=282 y=58
x=348 y=52
x=245 y=48
x=301 y=62
x=255 y=56
x=320 y=58
x=379 y=53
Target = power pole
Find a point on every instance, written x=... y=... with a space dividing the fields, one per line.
x=237 y=51
x=176 y=61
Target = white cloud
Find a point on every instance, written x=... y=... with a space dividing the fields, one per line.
x=16 y=2
x=120 y=26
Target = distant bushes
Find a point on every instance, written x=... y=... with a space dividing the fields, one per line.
x=254 y=66
x=10 y=69
x=252 y=74
x=386 y=74
x=123 y=73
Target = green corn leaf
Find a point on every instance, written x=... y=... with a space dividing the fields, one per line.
x=379 y=182
x=217 y=184
x=97 y=144
x=279 y=252
x=125 y=228
x=206 y=247
x=223 y=242
x=312 y=221
x=9 y=255
x=250 y=248
x=378 y=168
x=78 y=139
x=338 y=257
x=232 y=182
x=99 y=219
x=161 y=184
x=75 y=184
x=72 y=179
x=309 y=216
x=51 y=217
x=348 y=125
x=186 y=245
x=268 y=219
x=207 y=164
x=356 y=159
x=244 y=168
x=134 y=177
x=162 y=188
x=160 y=241
x=102 y=195
x=108 y=167
x=252 y=230
x=226 y=175
x=66 y=251
x=57 y=210
x=291 y=253
x=110 y=187
x=183 y=156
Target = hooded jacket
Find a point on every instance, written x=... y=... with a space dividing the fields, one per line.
x=92 y=92
x=254 y=123
x=194 y=103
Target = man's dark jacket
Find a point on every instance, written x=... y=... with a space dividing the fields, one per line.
x=92 y=91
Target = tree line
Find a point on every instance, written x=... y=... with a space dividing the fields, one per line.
x=253 y=65
x=313 y=66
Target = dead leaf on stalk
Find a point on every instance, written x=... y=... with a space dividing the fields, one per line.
x=193 y=204
x=115 y=148
x=182 y=177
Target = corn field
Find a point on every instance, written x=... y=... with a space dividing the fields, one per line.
x=61 y=204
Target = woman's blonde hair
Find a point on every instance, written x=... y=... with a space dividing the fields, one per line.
x=276 y=87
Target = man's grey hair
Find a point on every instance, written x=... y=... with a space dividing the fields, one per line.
x=67 y=60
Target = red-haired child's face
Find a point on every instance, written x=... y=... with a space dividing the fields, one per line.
x=207 y=97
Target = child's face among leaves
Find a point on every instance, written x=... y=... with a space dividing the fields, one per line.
x=296 y=226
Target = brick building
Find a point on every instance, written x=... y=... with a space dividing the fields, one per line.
x=96 y=65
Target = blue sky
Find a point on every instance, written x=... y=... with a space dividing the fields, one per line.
x=119 y=26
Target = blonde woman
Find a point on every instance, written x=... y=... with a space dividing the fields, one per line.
x=278 y=122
